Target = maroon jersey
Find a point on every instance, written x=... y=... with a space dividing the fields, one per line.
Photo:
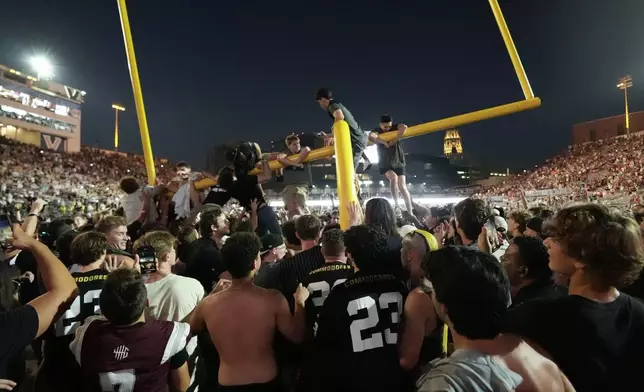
x=132 y=358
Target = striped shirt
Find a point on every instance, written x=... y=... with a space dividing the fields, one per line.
x=293 y=270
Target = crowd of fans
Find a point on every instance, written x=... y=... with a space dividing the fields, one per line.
x=196 y=292
x=599 y=170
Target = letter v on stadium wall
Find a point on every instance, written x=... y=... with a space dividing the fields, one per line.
x=530 y=102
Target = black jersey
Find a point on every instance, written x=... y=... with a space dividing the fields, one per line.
x=319 y=284
x=59 y=362
x=356 y=346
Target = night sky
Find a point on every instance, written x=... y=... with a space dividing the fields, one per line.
x=214 y=71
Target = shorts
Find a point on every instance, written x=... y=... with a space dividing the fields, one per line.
x=295 y=194
x=271 y=386
x=357 y=154
x=400 y=171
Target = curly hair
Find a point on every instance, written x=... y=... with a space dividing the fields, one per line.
x=608 y=243
x=239 y=253
x=379 y=213
x=367 y=245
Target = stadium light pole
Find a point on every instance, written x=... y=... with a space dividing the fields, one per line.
x=624 y=83
x=117 y=109
x=42 y=66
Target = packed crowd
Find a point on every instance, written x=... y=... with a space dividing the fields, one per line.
x=595 y=170
x=221 y=292
x=85 y=182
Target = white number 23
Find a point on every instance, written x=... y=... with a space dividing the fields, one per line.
x=358 y=326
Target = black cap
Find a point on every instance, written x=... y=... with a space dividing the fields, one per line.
x=323 y=93
x=271 y=241
x=535 y=224
x=385 y=118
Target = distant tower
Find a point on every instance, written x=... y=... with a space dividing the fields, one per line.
x=452 y=143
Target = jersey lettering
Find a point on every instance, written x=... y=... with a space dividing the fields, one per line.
x=73 y=317
x=319 y=291
x=358 y=326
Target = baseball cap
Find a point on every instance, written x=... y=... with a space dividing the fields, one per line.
x=271 y=241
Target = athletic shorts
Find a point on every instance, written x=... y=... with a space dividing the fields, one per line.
x=271 y=386
x=357 y=155
x=295 y=195
x=400 y=171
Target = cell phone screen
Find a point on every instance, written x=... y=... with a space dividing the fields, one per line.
x=5 y=230
x=147 y=260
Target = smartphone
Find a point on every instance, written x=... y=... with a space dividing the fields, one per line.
x=6 y=233
x=147 y=260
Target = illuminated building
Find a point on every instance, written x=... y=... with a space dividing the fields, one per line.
x=452 y=143
x=43 y=113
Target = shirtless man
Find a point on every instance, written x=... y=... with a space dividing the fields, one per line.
x=470 y=293
x=242 y=319
x=422 y=339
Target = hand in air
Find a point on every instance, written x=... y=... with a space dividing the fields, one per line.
x=484 y=241
x=254 y=204
x=355 y=214
x=21 y=240
x=301 y=295
x=6 y=385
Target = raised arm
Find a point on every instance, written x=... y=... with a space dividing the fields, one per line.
x=60 y=285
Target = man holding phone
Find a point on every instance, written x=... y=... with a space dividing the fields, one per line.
x=170 y=297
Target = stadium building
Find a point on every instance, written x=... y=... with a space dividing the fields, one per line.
x=40 y=112
x=606 y=128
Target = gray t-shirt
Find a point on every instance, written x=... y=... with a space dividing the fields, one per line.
x=358 y=135
x=468 y=371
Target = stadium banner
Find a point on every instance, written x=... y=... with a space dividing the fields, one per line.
x=52 y=143
x=547 y=192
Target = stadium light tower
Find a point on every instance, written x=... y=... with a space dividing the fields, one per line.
x=624 y=83
x=117 y=109
x=42 y=66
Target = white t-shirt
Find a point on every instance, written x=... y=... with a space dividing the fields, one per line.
x=172 y=299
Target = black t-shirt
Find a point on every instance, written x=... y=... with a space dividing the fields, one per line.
x=294 y=269
x=599 y=346
x=356 y=345
x=204 y=263
x=268 y=276
x=359 y=137
x=390 y=157
x=245 y=189
x=18 y=328
x=319 y=283
x=217 y=195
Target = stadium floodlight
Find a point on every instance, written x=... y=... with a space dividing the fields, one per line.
x=43 y=67
x=623 y=84
x=117 y=108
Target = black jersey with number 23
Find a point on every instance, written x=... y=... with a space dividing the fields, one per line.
x=357 y=336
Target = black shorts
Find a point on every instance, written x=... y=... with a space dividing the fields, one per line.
x=271 y=386
x=399 y=170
